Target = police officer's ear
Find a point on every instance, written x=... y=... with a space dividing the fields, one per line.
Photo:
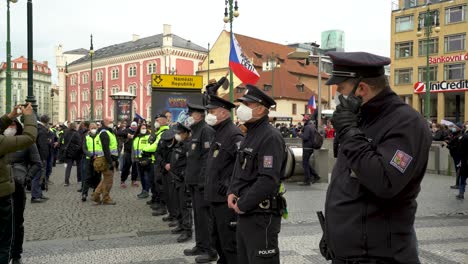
x=365 y=91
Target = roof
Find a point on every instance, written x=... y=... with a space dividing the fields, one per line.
x=286 y=76
x=21 y=63
x=77 y=51
x=147 y=43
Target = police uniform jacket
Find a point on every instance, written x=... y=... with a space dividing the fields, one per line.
x=178 y=163
x=197 y=153
x=221 y=159
x=371 y=199
x=259 y=165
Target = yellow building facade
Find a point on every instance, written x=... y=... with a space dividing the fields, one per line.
x=448 y=56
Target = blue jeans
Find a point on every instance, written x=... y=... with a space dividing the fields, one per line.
x=309 y=172
x=48 y=172
x=145 y=173
x=36 y=191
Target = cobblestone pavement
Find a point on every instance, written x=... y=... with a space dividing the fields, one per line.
x=65 y=230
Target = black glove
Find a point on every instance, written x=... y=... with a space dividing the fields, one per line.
x=345 y=116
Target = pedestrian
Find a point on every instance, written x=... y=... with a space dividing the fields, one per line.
x=72 y=151
x=24 y=163
x=308 y=141
x=254 y=192
x=219 y=169
x=463 y=141
x=91 y=178
x=43 y=145
x=143 y=159
x=106 y=147
x=176 y=171
x=161 y=125
x=127 y=164
x=10 y=144
x=382 y=157
x=83 y=131
x=195 y=173
x=454 y=146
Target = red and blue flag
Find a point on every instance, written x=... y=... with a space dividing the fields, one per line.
x=240 y=64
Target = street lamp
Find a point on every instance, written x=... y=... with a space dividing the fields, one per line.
x=91 y=89
x=229 y=18
x=66 y=90
x=8 y=55
x=31 y=98
x=428 y=20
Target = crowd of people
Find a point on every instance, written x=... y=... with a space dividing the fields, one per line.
x=295 y=130
x=455 y=138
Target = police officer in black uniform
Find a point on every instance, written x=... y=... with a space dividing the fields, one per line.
x=256 y=180
x=382 y=157
x=220 y=165
x=177 y=173
x=199 y=146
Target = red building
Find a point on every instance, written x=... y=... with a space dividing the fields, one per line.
x=128 y=67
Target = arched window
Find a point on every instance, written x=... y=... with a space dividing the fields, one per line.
x=148 y=89
x=99 y=91
x=99 y=113
x=115 y=89
x=73 y=114
x=85 y=78
x=132 y=71
x=151 y=67
x=99 y=76
x=132 y=89
x=148 y=113
x=115 y=74
x=73 y=80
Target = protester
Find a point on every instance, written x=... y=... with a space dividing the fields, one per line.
x=72 y=151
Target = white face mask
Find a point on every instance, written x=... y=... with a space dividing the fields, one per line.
x=211 y=119
x=244 y=113
x=157 y=125
x=9 y=132
x=190 y=121
x=337 y=100
x=110 y=125
x=93 y=131
x=178 y=137
x=143 y=131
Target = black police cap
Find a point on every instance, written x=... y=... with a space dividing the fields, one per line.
x=356 y=65
x=180 y=128
x=160 y=116
x=195 y=108
x=215 y=102
x=253 y=94
x=168 y=134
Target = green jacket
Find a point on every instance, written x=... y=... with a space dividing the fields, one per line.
x=12 y=144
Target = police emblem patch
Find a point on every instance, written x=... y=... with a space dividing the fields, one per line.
x=207 y=144
x=268 y=162
x=194 y=146
x=401 y=161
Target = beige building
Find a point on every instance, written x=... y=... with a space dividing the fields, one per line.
x=448 y=56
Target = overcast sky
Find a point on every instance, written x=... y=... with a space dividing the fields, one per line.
x=70 y=22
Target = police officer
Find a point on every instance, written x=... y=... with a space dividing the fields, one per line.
x=254 y=190
x=382 y=156
x=220 y=165
x=197 y=154
x=176 y=171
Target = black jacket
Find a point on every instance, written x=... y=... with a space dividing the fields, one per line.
x=221 y=159
x=308 y=136
x=42 y=141
x=25 y=163
x=122 y=135
x=202 y=135
x=371 y=200
x=179 y=163
x=259 y=166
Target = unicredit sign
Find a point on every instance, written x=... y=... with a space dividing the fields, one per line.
x=441 y=87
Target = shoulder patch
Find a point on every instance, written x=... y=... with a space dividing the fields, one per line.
x=401 y=161
x=206 y=144
x=268 y=162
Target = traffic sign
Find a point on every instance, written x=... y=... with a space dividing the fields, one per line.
x=176 y=81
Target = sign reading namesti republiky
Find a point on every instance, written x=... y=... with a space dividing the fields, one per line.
x=176 y=81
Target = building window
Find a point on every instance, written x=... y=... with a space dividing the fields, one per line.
x=99 y=76
x=454 y=71
x=19 y=74
x=455 y=42
x=410 y=3
x=99 y=113
x=404 y=50
x=73 y=80
x=73 y=114
x=73 y=96
x=85 y=78
x=115 y=74
x=84 y=96
x=99 y=93
x=266 y=87
x=433 y=47
x=455 y=14
x=132 y=71
x=148 y=89
x=151 y=68
x=240 y=90
x=432 y=74
x=300 y=87
x=148 y=112
x=115 y=89
x=294 y=109
x=132 y=89
x=403 y=76
x=404 y=23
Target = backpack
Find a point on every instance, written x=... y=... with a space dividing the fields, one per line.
x=318 y=139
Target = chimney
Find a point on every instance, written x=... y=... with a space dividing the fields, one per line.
x=46 y=63
x=167 y=35
x=135 y=37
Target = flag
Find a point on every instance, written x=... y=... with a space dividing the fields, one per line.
x=240 y=64
x=311 y=104
x=139 y=116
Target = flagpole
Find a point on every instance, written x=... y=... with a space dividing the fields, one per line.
x=231 y=77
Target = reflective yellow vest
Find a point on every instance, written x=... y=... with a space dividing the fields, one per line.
x=139 y=143
x=91 y=146
x=112 y=144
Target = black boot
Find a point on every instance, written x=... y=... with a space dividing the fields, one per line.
x=206 y=258
x=173 y=223
x=195 y=251
x=159 y=212
x=177 y=230
x=184 y=237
